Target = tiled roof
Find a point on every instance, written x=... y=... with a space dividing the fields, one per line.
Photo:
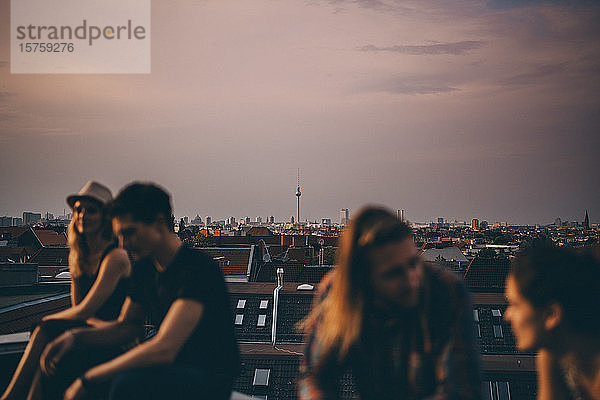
x=51 y=257
x=16 y=254
x=259 y=231
x=493 y=333
x=292 y=309
x=28 y=309
x=50 y=238
x=11 y=232
x=280 y=365
x=237 y=258
x=281 y=382
x=266 y=272
x=252 y=316
x=447 y=254
x=313 y=273
x=487 y=274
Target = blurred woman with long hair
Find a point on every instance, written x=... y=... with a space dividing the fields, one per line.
x=99 y=270
x=402 y=327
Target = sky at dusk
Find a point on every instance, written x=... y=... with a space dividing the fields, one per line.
x=455 y=109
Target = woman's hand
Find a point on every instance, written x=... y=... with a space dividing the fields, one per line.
x=55 y=351
x=75 y=391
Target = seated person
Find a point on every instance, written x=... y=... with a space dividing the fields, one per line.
x=194 y=353
x=404 y=329
x=554 y=309
x=99 y=272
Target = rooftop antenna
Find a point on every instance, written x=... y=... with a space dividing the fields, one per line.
x=298 y=194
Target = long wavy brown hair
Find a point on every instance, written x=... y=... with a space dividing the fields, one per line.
x=79 y=248
x=338 y=318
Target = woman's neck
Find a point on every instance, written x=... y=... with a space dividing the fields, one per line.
x=96 y=243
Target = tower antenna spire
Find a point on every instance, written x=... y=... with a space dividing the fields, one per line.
x=298 y=194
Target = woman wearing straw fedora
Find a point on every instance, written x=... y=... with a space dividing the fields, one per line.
x=99 y=271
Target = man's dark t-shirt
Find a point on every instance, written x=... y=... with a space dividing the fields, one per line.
x=196 y=276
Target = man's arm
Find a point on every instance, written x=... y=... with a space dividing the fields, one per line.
x=128 y=327
x=176 y=328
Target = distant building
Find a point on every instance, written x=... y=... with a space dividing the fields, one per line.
x=271 y=219
x=31 y=218
x=344 y=216
x=475 y=223
x=326 y=221
x=208 y=220
x=558 y=222
x=400 y=215
x=6 y=221
x=483 y=224
x=586 y=221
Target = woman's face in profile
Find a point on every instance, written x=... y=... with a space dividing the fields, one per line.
x=396 y=274
x=527 y=321
x=88 y=216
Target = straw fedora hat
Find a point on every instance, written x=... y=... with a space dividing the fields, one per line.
x=91 y=191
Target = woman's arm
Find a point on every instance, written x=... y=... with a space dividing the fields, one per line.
x=114 y=267
x=74 y=292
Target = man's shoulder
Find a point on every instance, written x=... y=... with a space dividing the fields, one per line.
x=196 y=261
x=195 y=256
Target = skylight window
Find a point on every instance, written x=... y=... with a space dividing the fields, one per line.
x=498 y=332
x=261 y=377
x=503 y=390
x=241 y=303
x=239 y=319
x=262 y=319
x=264 y=304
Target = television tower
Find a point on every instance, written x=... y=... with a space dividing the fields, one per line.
x=298 y=194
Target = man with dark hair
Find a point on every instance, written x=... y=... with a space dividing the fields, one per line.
x=194 y=353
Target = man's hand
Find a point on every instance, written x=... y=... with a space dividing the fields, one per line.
x=55 y=351
x=75 y=391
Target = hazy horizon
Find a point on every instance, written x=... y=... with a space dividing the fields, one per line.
x=462 y=109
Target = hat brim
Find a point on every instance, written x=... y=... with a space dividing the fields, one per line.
x=74 y=198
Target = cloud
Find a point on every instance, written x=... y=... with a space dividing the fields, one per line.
x=410 y=86
x=541 y=73
x=506 y=4
x=377 y=5
x=455 y=48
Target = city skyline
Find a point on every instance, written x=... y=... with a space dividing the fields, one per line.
x=335 y=220
x=445 y=109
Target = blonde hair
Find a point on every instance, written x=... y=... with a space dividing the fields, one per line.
x=339 y=316
x=79 y=248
